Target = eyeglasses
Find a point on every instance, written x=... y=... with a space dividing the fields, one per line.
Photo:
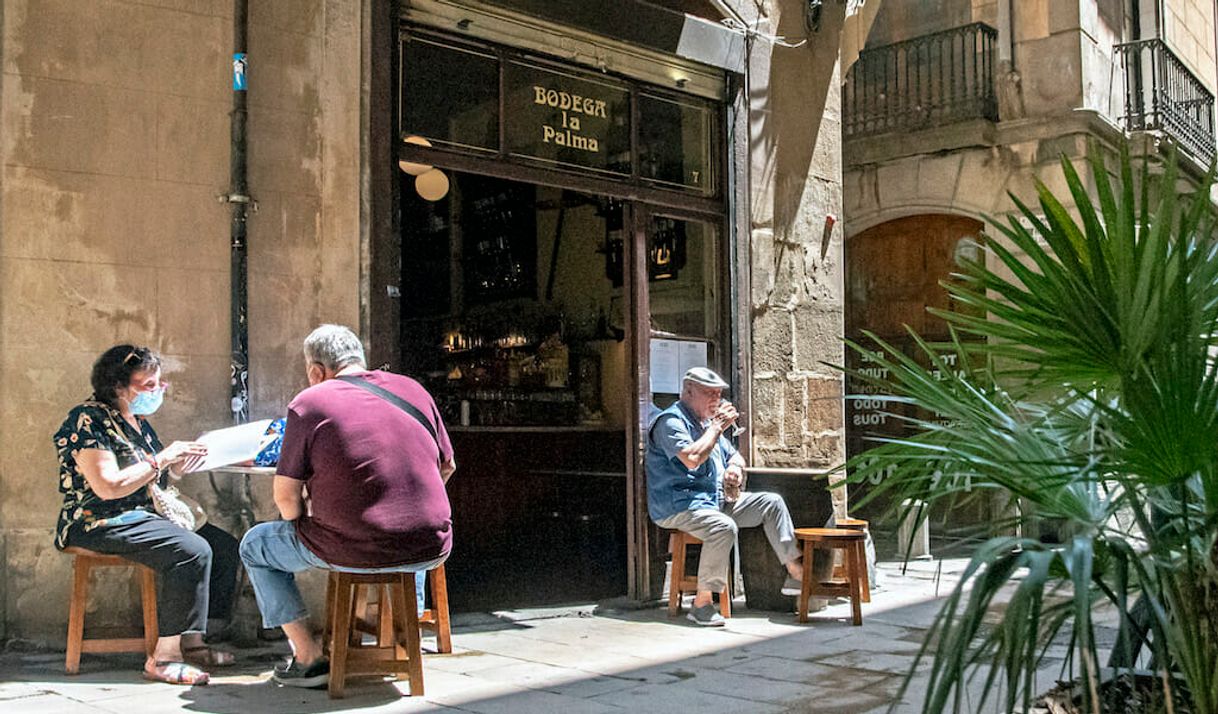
x=134 y=354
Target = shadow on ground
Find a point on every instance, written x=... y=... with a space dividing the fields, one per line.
x=567 y=660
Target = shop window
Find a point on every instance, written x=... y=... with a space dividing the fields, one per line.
x=500 y=240
x=432 y=110
x=508 y=316
x=567 y=119
x=674 y=142
x=459 y=95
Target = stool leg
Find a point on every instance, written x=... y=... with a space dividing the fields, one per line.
x=340 y=624
x=406 y=616
x=805 y=582
x=76 y=613
x=147 y=580
x=331 y=608
x=864 y=576
x=852 y=573
x=384 y=612
x=677 y=544
x=439 y=604
x=359 y=607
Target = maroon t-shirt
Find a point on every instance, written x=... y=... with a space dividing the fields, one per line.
x=371 y=471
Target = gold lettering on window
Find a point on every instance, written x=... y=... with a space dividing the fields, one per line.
x=569 y=134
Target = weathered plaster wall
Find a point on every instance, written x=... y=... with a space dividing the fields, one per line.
x=795 y=180
x=112 y=115
x=115 y=143
x=899 y=21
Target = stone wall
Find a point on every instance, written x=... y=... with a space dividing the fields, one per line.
x=796 y=293
x=1188 y=27
x=115 y=125
x=971 y=179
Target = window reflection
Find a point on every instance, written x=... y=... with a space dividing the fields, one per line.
x=674 y=142
x=430 y=107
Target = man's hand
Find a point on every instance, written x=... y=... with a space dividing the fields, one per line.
x=734 y=476
x=725 y=416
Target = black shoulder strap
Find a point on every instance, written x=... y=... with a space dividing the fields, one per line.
x=396 y=401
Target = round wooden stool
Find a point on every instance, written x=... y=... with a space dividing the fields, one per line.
x=85 y=561
x=396 y=650
x=680 y=583
x=852 y=542
x=434 y=618
x=855 y=524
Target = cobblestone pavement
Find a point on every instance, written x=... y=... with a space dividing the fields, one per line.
x=568 y=660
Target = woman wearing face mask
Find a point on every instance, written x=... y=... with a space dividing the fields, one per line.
x=108 y=455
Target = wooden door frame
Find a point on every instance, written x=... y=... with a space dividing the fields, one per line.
x=639 y=350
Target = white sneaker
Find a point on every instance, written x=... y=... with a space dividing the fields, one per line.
x=791 y=587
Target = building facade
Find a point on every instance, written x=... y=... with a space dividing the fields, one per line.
x=542 y=209
x=956 y=106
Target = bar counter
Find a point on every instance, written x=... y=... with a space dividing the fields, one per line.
x=539 y=515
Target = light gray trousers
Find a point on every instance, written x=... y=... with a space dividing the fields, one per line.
x=717 y=531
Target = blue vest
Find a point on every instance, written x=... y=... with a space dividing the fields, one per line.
x=671 y=486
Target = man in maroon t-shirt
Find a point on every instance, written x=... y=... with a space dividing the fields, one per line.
x=360 y=487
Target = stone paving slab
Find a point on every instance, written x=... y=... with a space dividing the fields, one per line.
x=580 y=659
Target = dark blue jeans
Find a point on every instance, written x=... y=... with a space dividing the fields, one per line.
x=196 y=571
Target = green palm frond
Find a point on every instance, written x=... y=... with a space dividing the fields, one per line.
x=1083 y=384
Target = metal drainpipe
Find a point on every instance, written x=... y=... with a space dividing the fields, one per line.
x=238 y=197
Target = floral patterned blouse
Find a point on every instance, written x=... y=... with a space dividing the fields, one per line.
x=96 y=425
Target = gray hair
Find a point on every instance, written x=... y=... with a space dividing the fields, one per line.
x=334 y=347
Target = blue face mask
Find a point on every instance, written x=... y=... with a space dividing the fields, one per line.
x=146 y=403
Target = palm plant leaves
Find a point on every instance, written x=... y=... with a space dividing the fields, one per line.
x=1086 y=387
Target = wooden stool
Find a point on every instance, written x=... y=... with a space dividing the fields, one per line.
x=396 y=650
x=681 y=583
x=850 y=541
x=85 y=561
x=839 y=572
x=434 y=619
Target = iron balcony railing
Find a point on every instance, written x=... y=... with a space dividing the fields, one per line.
x=932 y=80
x=1161 y=94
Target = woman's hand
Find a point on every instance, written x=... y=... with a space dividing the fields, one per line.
x=181 y=457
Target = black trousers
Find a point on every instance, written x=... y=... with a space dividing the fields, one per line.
x=196 y=572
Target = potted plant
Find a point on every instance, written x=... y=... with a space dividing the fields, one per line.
x=1085 y=390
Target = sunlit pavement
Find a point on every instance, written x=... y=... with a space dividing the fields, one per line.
x=576 y=659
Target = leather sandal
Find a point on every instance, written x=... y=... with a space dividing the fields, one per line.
x=177 y=673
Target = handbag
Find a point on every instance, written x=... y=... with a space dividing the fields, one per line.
x=176 y=507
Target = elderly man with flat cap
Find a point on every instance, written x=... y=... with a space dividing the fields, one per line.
x=689 y=465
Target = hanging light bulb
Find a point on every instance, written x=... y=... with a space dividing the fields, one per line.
x=432 y=185
x=410 y=167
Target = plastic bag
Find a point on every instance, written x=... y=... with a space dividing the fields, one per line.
x=269 y=456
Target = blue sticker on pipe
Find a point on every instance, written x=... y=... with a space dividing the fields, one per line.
x=239 y=61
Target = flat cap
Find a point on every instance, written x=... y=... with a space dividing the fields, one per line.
x=705 y=377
